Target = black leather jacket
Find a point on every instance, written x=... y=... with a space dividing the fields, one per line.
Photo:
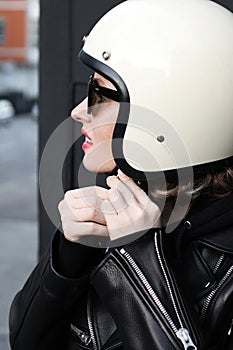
x=161 y=292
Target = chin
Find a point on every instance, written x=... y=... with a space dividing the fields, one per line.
x=96 y=167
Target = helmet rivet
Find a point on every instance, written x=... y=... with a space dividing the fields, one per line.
x=106 y=55
x=161 y=138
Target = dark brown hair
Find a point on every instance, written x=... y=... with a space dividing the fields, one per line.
x=211 y=181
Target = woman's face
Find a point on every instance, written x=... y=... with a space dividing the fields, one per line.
x=97 y=127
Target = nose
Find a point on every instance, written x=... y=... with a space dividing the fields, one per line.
x=79 y=113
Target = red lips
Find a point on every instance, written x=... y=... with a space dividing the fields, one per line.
x=88 y=143
x=85 y=134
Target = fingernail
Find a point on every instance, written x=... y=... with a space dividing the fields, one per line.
x=120 y=173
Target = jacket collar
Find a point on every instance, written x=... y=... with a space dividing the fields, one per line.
x=207 y=219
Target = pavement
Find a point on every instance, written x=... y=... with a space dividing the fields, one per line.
x=18 y=211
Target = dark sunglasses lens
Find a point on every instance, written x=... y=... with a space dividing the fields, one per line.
x=89 y=95
x=95 y=95
x=92 y=96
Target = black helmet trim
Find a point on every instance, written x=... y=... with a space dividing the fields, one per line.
x=108 y=73
x=124 y=98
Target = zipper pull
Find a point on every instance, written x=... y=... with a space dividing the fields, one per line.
x=184 y=336
x=83 y=336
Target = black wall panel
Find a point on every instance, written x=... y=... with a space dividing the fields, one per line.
x=62 y=83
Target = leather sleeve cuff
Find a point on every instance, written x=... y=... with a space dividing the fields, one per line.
x=73 y=260
x=65 y=282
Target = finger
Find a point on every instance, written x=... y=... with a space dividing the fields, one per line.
x=127 y=194
x=69 y=213
x=108 y=209
x=109 y=214
x=117 y=224
x=85 y=202
x=126 y=211
x=117 y=200
x=139 y=194
x=80 y=230
x=90 y=191
x=113 y=222
x=89 y=214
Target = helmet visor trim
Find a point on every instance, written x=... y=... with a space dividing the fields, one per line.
x=124 y=111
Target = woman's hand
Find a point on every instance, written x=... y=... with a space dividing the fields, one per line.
x=81 y=213
x=128 y=209
x=122 y=210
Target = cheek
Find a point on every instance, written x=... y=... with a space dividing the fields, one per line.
x=106 y=123
x=104 y=133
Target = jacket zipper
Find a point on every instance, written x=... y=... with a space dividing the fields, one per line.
x=167 y=280
x=180 y=332
x=213 y=292
x=83 y=336
x=91 y=338
x=90 y=324
x=220 y=260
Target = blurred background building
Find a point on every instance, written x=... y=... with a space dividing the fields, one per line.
x=19 y=59
x=19 y=54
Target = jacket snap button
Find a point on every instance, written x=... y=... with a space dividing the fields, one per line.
x=206 y=284
x=188 y=224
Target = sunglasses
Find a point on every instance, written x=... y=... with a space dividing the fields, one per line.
x=97 y=94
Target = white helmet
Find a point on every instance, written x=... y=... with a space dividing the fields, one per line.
x=174 y=60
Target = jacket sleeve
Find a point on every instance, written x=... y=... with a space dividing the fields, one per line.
x=40 y=313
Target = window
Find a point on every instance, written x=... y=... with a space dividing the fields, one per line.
x=2 y=30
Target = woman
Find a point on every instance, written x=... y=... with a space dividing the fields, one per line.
x=159 y=105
